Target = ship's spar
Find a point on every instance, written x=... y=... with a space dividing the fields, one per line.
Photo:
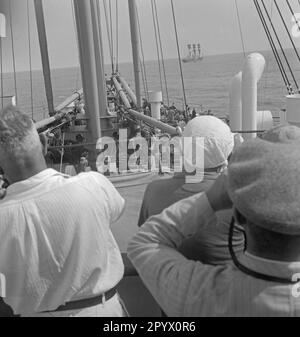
x=39 y=13
x=87 y=14
x=94 y=84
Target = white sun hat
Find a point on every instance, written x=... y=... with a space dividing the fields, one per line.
x=217 y=143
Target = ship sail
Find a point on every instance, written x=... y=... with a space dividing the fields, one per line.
x=194 y=53
x=199 y=56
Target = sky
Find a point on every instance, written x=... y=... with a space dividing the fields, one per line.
x=213 y=23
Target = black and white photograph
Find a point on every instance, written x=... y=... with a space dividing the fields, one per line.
x=149 y=161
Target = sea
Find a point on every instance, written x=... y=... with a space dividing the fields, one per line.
x=206 y=83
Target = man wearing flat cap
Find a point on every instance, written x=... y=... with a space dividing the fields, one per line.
x=263 y=188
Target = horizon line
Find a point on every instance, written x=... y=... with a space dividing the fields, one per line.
x=150 y=60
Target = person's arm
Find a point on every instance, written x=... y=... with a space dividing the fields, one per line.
x=217 y=195
x=143 y=215
x=144 y=210
x=114 y=201
x=171 y=278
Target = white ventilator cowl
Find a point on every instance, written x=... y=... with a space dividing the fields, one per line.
x=218 y=142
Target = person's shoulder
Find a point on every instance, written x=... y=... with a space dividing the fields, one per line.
x=159 y=184
x=93 y=178
x=163 y=186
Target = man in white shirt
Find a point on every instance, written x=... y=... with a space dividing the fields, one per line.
x=57 y=252
x=264 y=185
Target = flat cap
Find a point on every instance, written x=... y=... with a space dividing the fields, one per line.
x=264 y=180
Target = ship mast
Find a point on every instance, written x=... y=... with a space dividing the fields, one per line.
x=199 y=50
x=40 y=21
x=194 y=52
x=190 y=50
x=85 y=33
x=102 y=94
x=135 y=49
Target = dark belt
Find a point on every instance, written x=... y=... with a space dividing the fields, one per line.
x=88 y=302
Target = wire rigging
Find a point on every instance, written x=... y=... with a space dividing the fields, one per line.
x=1 y=73
x=179 y=58
x=143 y=78
x=77 y=45
x=143 y=64
x=240 y=27
x=287 y=30
x=30 y=57
x=273 y=47
x=268 y=60
x=117 y=36
x=111 y=32
x=13 y=51
x=281 y=47
x=62 y=152
x=293 y=13
x=161 y=52
x=108 y=36
x=157 y=47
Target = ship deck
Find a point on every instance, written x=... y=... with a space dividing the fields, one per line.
x=132 y=189
x=137 y=298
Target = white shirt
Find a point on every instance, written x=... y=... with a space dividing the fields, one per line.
x=190 y=288
x=55 y=240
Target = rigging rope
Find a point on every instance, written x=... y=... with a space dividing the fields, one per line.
x=287 y=30
x=30 y=58
x=111 y=31
x=117 y=37
x=161 y=52
x=77 y=44
x=143 y=78
x=143 y=67
x=240 y=27
x=268 y=60
x=1 y=73
x=281 y=47
x=293 y=14
x=273 y=47
x=108 y=36
x=179 y=58
x=157 y=48
x=62 y=152
x=13 y=51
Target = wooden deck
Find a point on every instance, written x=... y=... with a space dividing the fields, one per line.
x=132 y=190
x=137 y=298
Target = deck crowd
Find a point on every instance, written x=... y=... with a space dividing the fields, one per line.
x=228 y=245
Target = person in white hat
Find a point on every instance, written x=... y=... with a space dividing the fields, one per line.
x=218 y=144
x=263 y=188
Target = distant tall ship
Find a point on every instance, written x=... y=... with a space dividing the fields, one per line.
x=194 y=53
